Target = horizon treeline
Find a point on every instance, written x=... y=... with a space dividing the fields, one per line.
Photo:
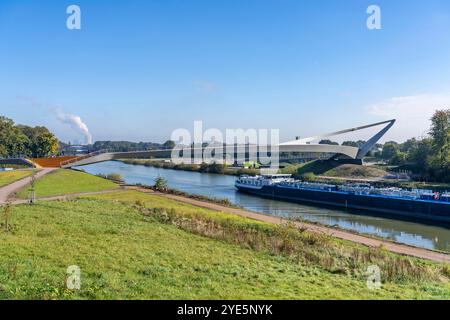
x=428 y=157
x=124 y=146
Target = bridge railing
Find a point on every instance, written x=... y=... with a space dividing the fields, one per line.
x=89 y=155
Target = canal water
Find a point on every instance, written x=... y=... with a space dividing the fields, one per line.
x=222 y=186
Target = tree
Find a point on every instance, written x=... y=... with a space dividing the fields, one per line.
x=398 y=158
x=420 y=153
x=41 y=142
x=439 y=161
x=203 y=167
x=125 y=146
x=12 y=141
x=350 y=144
x=169 y=144
x=3 y=151
x=7 y=214
x=161 y=184
x=216 y=168
x=328 y=142
x=19 y=140
x=389 y=150
x=408 y=145
x=46 y=143
x=440 y=129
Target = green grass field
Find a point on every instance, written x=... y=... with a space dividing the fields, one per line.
x=125 y=254
x=7 y=177
x=63 y=181
x=334 y=169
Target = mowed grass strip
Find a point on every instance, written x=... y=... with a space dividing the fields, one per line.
x=65 y=181
x=126 y=255
x=8 y=177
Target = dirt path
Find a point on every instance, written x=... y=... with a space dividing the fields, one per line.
x=341 y=234
x=8 y=190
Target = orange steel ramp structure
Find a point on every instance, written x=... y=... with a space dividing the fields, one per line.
x=52 y=162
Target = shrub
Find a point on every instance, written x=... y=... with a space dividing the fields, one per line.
x=111 y=176
x=446 y=270
x=160 y=184
x=309 y=176
x=114 y=176
x=7 y=214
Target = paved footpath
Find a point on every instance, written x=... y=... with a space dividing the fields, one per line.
x=8 y=190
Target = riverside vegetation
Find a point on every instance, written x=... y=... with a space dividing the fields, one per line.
x=203 y=168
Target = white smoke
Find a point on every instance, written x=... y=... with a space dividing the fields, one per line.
x=75 y=123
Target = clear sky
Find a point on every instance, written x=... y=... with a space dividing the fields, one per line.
x=137 y=70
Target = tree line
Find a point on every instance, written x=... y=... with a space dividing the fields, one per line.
x=23 y=141
x=430 y=156
x=126 y=146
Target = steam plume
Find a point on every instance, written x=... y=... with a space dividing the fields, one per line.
x=75 y=123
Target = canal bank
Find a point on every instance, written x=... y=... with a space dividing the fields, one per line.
x=340 y=234
x=221 y=186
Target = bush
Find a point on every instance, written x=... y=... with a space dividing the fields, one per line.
x=114 y=176
x=111 y=176
x=7 y=214
x=309 y=176
x=204 y=167
x=160 y=184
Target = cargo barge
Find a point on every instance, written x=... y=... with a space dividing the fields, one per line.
x=414 y=203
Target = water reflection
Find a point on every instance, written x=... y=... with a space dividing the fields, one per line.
x=220 y=186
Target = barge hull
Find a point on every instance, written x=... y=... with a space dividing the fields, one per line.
x=407 y=208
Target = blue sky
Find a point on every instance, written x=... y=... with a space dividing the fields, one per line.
x=137 y=70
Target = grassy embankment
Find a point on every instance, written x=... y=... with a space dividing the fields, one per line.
x=313 y=168
x=62 y=182
x=211 y=168
x=8 y=177
x=338 y=173
x=334 y=169
x=133 y=245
